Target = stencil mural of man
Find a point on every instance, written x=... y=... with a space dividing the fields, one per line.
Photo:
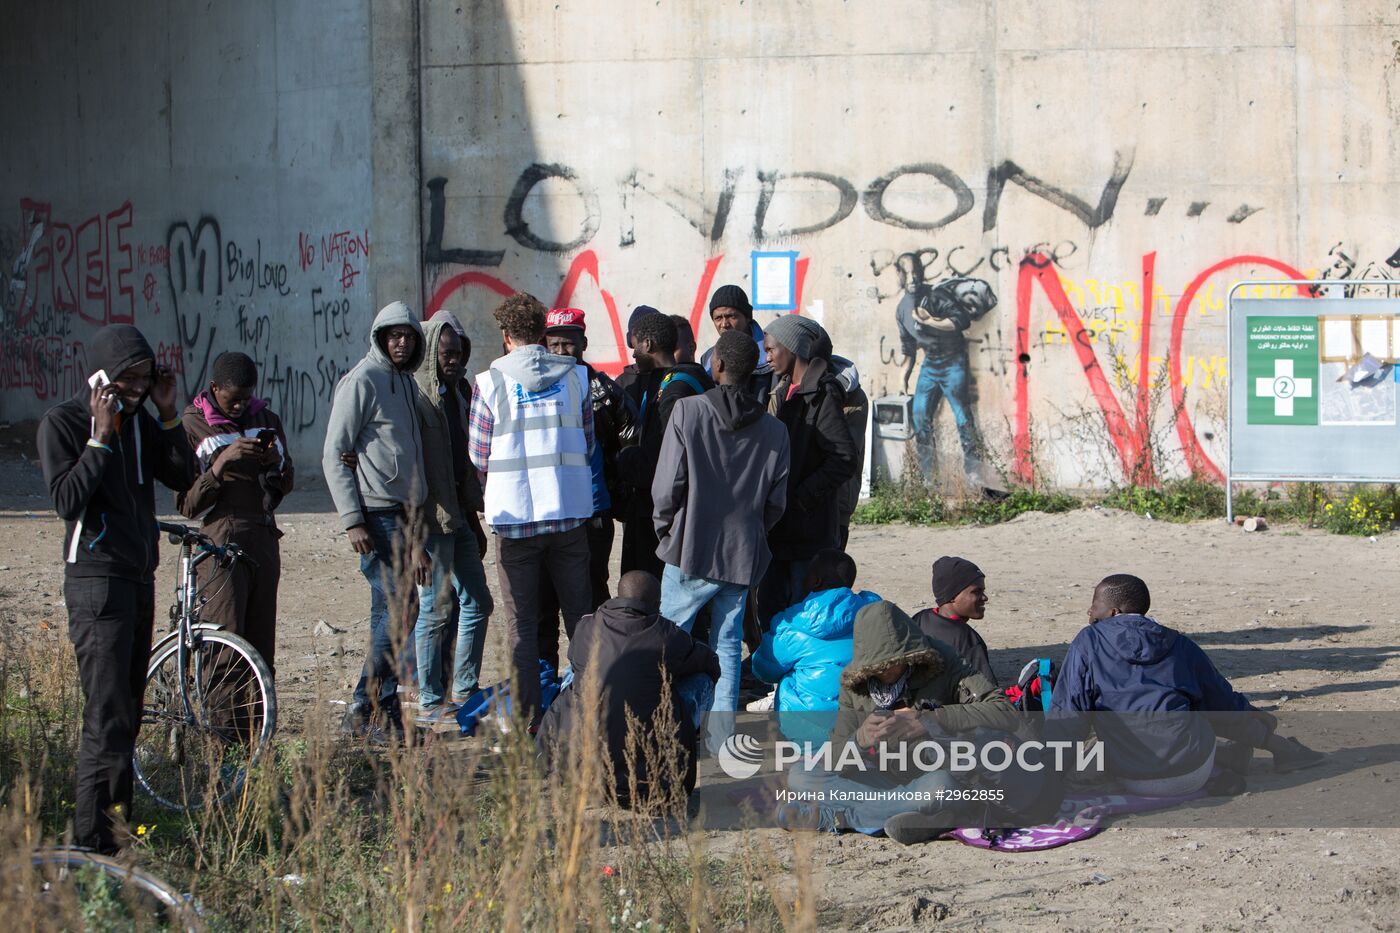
x=935 y=318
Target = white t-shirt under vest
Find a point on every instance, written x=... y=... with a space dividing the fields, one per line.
x=539 y=468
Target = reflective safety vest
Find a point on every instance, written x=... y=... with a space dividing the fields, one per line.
x=539 y=468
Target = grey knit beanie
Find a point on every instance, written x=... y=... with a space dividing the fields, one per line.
x=801 y=335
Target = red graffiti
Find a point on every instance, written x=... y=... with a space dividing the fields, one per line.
x=344 y=249
x=171 y=356
x=587 y=262
x=97 y=258
x=1133 y=444
x=48 y=366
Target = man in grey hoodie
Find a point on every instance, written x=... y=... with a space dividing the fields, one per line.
x=531 y=437
x=720 y=487
x=374 y=416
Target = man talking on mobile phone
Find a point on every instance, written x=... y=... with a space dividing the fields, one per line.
x=244 y=472
x=102 y=453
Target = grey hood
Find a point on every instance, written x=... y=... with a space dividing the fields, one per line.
x=845 y=372
x=392 y=315
x=534 y=367
x=374 y=414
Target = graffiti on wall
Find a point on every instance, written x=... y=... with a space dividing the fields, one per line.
x=195 y=293
x=943 y=296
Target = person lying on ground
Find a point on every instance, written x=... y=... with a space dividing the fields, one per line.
x=901 y=688
x=1126 y=663
x=959 y=595
x=638 y=662
x=810 y=645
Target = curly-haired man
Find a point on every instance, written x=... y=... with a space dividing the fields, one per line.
x=531 y=436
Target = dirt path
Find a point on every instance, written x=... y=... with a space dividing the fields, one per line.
x=1298 y=619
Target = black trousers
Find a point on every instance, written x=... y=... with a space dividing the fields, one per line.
x=109 y=622
x=600 y=542
x=524 y=565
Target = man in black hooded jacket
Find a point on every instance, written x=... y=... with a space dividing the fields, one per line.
x=101 y=452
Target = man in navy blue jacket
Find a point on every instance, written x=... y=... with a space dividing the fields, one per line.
x=1125 y=663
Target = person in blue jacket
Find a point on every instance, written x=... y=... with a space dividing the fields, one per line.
x=810 y=644
x=1154 y=677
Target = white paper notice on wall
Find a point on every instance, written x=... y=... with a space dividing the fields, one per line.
x=815 y=309
x=774 y=281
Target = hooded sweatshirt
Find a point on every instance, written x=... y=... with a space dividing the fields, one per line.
x=374 y=414
x=805 y=653
x=107 y=497
x=760 y=384
x=1154 y=676
x=721 y=485
x=454 y=491
x=538 y=371
x=961 y=698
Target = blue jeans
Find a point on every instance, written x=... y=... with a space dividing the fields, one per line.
x=380 y=675
x=458 y=583
x=940 y=377
x=682 y=598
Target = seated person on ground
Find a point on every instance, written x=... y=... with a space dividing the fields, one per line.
x=959 y=595
x=900 y=687
x=1126 y=663
x=809 y=646
x=627 y=646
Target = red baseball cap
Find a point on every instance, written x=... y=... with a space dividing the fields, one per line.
x=564 y=319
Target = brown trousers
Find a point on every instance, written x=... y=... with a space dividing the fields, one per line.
x=243 y=599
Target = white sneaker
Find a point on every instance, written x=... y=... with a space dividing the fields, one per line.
x=762 y=703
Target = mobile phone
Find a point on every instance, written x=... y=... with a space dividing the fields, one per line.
x=266 y=437
x=99 y=379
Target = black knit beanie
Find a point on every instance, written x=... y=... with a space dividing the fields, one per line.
x=952 y=575
x=731 y=296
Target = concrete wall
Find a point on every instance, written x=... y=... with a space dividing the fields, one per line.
x=613 y=153
x=201 y=170
x=264 y=175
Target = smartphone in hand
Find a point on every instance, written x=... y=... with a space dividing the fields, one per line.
x=266 y=438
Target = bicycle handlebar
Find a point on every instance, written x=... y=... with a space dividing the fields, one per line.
x=185 y=535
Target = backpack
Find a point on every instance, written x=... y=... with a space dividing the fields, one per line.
x=1035 y=687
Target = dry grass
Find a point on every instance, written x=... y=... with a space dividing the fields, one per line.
x=432 y=835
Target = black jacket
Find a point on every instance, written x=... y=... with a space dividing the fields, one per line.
x=625 y=648
x=959 y=636
x=658 y=390
x=615 y=425
x=107 y=498
x=823 y=458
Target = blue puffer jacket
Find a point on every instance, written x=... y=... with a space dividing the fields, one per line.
x=804 y=654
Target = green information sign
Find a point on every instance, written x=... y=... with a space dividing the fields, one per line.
x=1281 y=363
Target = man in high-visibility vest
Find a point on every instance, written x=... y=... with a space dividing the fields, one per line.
x=531 y=436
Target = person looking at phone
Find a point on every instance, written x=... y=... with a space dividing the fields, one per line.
x=102 y=453
x=245 y=470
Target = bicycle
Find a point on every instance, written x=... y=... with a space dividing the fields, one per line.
x=210 y=707
x=72 y=887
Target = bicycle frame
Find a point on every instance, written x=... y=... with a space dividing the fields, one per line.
x=194 y=550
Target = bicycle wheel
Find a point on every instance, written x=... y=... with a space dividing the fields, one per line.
x=186 y=760
x=79 y=889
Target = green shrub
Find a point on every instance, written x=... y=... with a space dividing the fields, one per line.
x=1177 y=500
x=1369 y=510
x=1018 y=501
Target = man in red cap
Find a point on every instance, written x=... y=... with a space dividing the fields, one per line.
x=615 y=426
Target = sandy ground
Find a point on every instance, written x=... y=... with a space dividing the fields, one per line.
x=1299 y=620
